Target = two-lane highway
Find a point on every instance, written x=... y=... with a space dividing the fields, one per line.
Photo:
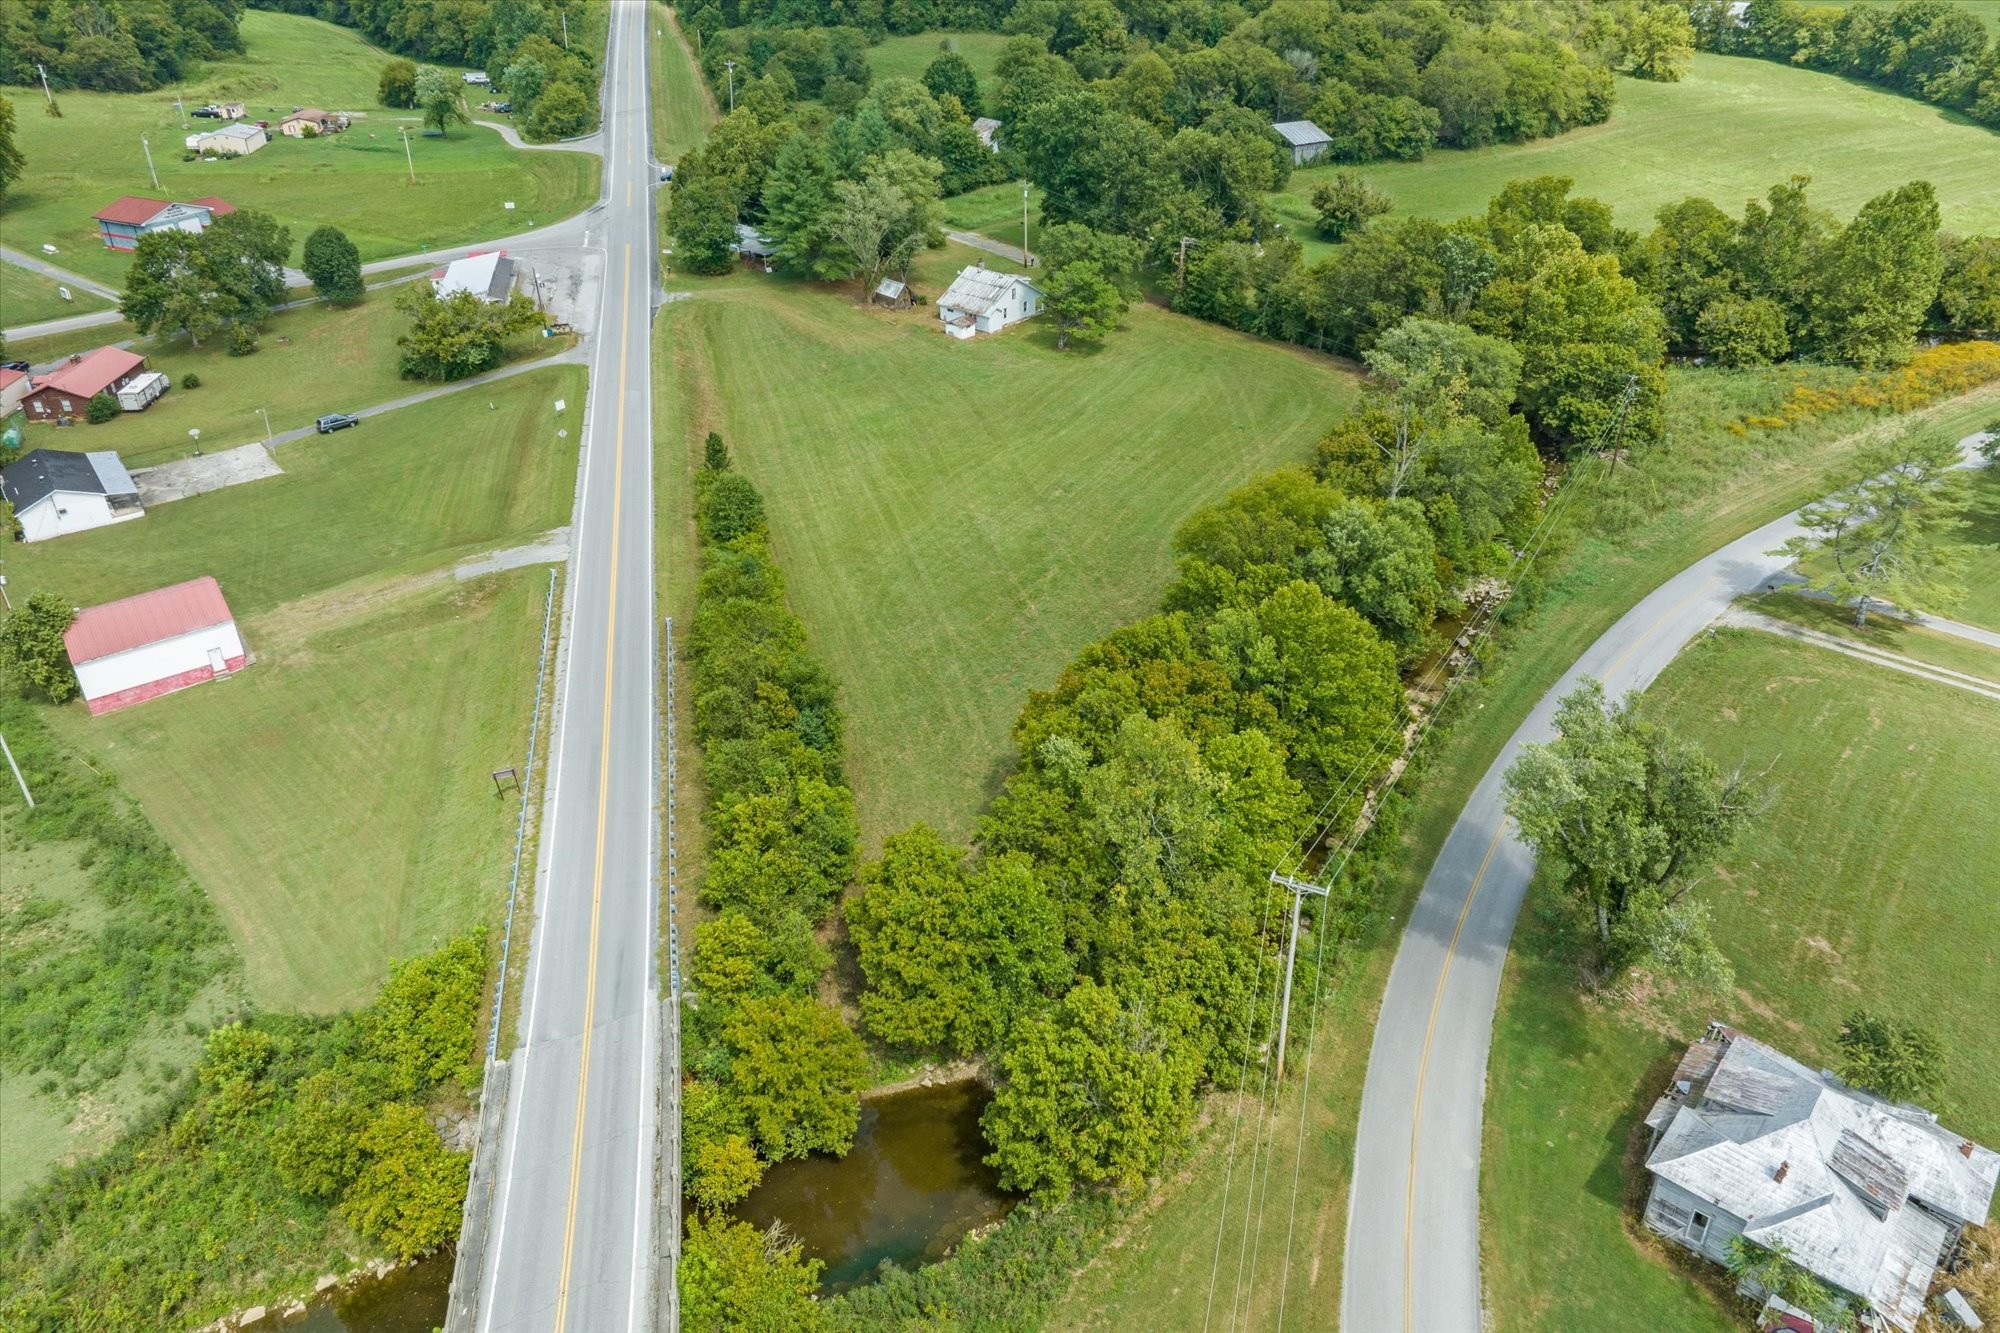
x=570 y=1241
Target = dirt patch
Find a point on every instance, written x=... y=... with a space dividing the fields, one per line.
x=287 y=628
x=1818 y=945
x=1764 y=1011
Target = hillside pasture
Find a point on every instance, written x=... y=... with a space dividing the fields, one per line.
x=358 y=181
x=27 y=297
x=1729 y=131
x=908 y=57
x=956 y=519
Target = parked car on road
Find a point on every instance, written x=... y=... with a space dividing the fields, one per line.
x=334 y=421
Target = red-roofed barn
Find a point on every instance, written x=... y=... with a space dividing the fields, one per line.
x=125 y=219
x=129 y=651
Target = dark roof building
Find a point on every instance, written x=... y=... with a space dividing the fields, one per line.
x=40 y=473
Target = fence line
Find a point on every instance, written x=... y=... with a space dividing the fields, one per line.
x=521 y=828
x=670 y=1030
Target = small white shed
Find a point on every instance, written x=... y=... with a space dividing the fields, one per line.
x=1307 y=141
x=981 y=300
x=138 y=648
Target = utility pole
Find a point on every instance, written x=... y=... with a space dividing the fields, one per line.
x=267 y=424
x=1025 y=259
x=149 y=161
x=1180 y=267
x=1299 y=889
x=45 y=84
x=183 y=110
x=565 y=23
x=731 y=64
x=1618 y=422
x=406 y=153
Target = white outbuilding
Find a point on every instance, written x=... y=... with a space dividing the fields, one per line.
x=138 y=648
x=55 y=492
x=488 y=275
x=981 y=300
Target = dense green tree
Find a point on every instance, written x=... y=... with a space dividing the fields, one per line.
x=1117 y=257
x=562 y=111
x=1584 y=333
x=798 y=208
x=703 y=222
x=880 y=222
x=424 y=1024
x=1969 y=288
x=333 y=263
x=233 y=273
x=1780 y=251
x=1879 y=279
x=32 y=652
x=409 y=1197
x=1902 y=1061
x=1346 y=204
x=1659 y=43
x=798 y=1073
x=1627 y=814
x=734 y=1278
x=1739 y=332
x=1892 y=534
x=952 y=955
x=398 y=85
x=729 y=507
x=524 y=81
x=723 y=1171
x=458 y=335
x=1081 y=301
x=1691 y=264
x=952 y=75
x=317 y=1146
x=437 y=98
x=1091 y=1093
x=1325 y=671
x=12 y=164
x=1381 y=559
x=715 y=454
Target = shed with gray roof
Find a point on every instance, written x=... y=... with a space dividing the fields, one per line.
x=1307 y=141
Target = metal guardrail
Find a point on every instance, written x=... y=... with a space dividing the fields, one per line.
x=669 y=1211
x=521 y=828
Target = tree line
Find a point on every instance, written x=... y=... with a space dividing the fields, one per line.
x=1927 y=49
x=113 y=46
x=773 y=1072
x=1385 y=80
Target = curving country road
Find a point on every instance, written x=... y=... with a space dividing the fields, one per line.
x=1412 y=1261
x=570 y=1244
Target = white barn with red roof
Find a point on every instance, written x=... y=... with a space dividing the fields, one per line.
x=138 y=648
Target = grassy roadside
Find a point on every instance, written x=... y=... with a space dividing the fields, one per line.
x=1883 y=632
x=682 y=107
x=1982 y=562
x=1706 y=487
x=1828 y=904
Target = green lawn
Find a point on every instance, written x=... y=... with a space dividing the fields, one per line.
x=1706 y=487
x=312 y=360
x=30 y=298
x=334 y=798
x=1982 y=573
x=358 y=180
x=682 y=108
x=907 y=57
x=957 y=519
x=1732 y=129
x=995 y=211
x=1868 y=882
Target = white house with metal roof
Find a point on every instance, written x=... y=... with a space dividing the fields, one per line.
x=488 y=276
x=55 y=492
x=981 y=300
x=1869 y=1196
x=1307 y=141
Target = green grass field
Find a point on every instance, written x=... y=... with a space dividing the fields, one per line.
x=358 y=180
x=312 y=360
x=1704 y=489
x=907 y=57
x=29 y=298
x=1883 y=633
x=957 y=519
x=682 y=108
x=1868 y=882
x=1732 y=129
x=1982 y=574
x=334 y=799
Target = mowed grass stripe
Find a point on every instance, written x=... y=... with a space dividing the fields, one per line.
x=956 y=520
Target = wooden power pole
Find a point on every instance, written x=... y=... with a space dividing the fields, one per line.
x=1299 y=889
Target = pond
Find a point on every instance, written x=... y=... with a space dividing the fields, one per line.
x=909 y=1190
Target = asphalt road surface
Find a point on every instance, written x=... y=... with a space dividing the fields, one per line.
x=1412 y=1260
x=570 y=1240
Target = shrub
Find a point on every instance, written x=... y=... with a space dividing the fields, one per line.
x=242 y=339
x=190 y=381
x=103 y=407
x=730 y=507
